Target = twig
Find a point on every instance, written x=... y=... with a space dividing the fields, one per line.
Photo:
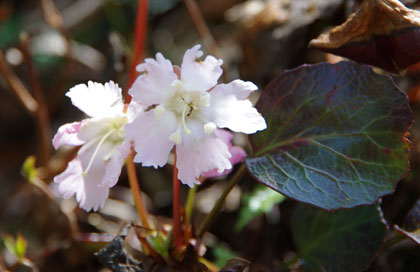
x=55 y=20
x=204 y=32
x=28 y=102
x=71 y=217
x=41 y=115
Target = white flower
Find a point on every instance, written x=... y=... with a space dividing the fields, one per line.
x=98 y=163
x=184 y=109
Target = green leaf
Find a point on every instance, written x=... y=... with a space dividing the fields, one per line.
x=9 y=243
x=16 y=246
x=222 y=254
x=161 y=243
x=335 y=137
x=21 y=246
x=261 y=200
x=346 y=240
x=29 y=170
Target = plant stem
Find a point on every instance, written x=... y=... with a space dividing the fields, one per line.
x=190 y=203
x=138 y=48
x=176 y=207
x=219 y=204
x=139 y=42
x=135 y=189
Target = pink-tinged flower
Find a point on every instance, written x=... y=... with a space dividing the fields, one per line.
x=98 y=163
x=238 y=154
x=185 y=108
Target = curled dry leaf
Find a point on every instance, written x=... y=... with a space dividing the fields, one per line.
x=116 y=257
x=383 y=33
x=236 y=265
x=412 y=235
x=412 y=224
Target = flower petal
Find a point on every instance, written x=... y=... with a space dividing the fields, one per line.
x=93 y=129
x=202 y=75
x=238 y=154
x=241 y=89
x=71 y=179
x=226 y=111
x=225 y=136
x=68 y=134
x=154 y=85
x=198 y=156
x=88 y=193
x=90 y=185
x=134 y=109
x=151 y=137
x=114 y=165
x=97 y=100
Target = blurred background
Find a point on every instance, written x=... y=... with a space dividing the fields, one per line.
x=52 y=45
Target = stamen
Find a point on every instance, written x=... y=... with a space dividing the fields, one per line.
x=210 y=127
x=176 y=137
x=110 y=154
x=184 y=113
x=88 y=144
x=97 y=150
x=177 y=84
x=159 y=110
x=205 y=99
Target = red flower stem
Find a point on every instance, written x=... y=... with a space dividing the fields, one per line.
x=135 y=189
x=176 y=207
x=138 y=51
x=139 y=42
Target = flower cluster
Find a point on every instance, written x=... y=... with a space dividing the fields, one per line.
x=174 y=109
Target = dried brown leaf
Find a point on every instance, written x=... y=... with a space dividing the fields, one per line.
x=383 y=33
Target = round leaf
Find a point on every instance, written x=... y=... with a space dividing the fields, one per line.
x=346 y=240
x=335 y=137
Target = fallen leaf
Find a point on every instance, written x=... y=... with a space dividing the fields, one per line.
x=384 y=33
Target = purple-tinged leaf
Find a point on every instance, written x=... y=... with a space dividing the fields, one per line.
x=336 y=135
x=346 y=240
